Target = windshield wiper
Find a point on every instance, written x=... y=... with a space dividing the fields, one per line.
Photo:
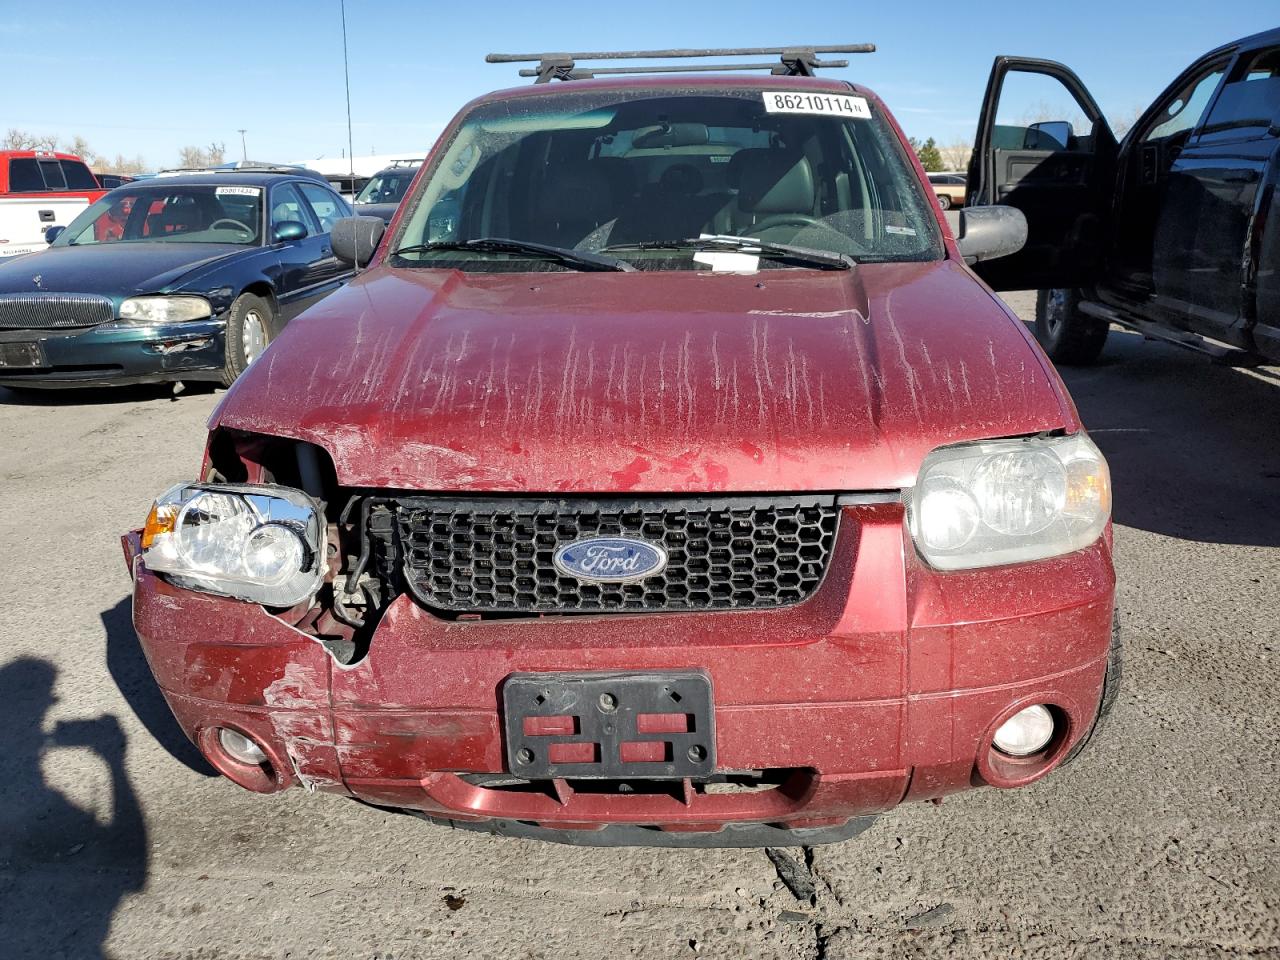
x=822 y=259
x=580 y=259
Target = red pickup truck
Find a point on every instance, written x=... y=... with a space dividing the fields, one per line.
x=40 y=189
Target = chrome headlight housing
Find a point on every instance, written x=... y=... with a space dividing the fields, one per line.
x=265 y=544
x=165 y=309
x=1009 y=501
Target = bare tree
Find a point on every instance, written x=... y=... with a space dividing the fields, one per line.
x=1121 y=122
x=955 y=155
x=16 y=139
x=209 y=156
x=121 y=164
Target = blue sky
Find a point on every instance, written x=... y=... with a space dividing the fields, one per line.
x=150 y=77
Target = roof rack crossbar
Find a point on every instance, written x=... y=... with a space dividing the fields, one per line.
x=794 y=61
x=588 y=73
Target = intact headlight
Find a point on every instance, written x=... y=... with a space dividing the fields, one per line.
x=165 y=309
x=265 y=544
x=1009 y=501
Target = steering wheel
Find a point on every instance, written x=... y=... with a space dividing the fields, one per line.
x=234 y=223
x=786 y=220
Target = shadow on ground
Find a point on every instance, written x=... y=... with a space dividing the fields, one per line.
x=63 y=868
x=128 y=668
x=1194 y=447
x=99 y=396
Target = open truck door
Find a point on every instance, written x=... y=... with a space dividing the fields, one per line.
x=1058 y=171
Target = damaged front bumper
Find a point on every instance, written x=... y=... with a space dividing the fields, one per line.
x=118 y=354
x=886 y=685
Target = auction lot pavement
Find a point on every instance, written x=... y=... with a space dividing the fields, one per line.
x=1160 y=842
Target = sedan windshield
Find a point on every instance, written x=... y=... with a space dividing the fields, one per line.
x=644 y=174
x=203 y=213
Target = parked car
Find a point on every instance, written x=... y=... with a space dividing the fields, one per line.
x=646 y=507
x=40 y=189
x=949 y=187
x=180 y=277
x=109 y=181
x=348 y=186
x=381 y=195
x=1171 y=233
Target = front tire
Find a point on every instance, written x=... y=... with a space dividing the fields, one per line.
x=944 y=201
x=1068 y=336
x=250 y=327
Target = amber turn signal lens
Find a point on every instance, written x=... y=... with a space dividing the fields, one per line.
x=160 y=520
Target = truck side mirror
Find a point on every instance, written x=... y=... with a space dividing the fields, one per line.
x=52 y=233
x=355 y=239
x=990 y=232
x=1048 y=135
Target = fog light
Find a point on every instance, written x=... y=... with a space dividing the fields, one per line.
x=241 y=748
x=1026 y=732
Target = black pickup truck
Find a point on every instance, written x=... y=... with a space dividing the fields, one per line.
x=1171 y=232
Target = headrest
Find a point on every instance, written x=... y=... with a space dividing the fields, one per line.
x=682 y=179
x=774 y=181
x=576 y=192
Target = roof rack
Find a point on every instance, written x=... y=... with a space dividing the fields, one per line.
x=798 y=61
x=240 y=166
x=407 y=162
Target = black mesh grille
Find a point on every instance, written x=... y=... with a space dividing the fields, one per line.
x=52 y=311
x=482 y=556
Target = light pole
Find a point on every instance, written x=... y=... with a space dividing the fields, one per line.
x=244 y=151
x=346 y=76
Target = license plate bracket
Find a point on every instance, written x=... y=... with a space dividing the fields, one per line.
x=609 y=725
x=23 y=355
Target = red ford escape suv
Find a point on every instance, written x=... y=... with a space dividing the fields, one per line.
x=666 y=478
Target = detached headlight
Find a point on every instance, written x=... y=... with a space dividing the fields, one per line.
x=1009 y=501
x=263 y=544
x=165 y=309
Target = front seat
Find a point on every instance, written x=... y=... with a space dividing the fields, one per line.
x=575 y=199
x=776 y=194
x=175 y=218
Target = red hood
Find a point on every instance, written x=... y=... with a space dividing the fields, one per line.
x=656 y=382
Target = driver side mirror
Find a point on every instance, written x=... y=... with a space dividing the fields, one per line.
x=1048 y=135
x=52 y=233
x=287 y=230
x=355 y=239
x=989 y=232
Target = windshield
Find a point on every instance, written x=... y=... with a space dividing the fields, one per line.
x=389 y=186
x=202 y=213
x=611 y=170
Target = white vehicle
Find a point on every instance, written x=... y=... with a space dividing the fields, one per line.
x=40 y=189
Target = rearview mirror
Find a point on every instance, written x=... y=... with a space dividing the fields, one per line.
x=355 y=239
x=989 y=232
x=671 y=135
x=52 y=233
x=289 y=230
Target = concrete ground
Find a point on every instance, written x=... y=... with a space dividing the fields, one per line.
x=1161 y=842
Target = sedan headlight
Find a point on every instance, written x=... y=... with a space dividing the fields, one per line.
x=165 y=309
x=265 y=544
x=1009 y=501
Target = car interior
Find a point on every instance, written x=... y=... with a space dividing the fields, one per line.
x=192 y=215
x=692 y=166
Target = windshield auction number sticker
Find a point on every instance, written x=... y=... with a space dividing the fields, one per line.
x=826 y=104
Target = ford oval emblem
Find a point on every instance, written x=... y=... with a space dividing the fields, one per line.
x=610 y=559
